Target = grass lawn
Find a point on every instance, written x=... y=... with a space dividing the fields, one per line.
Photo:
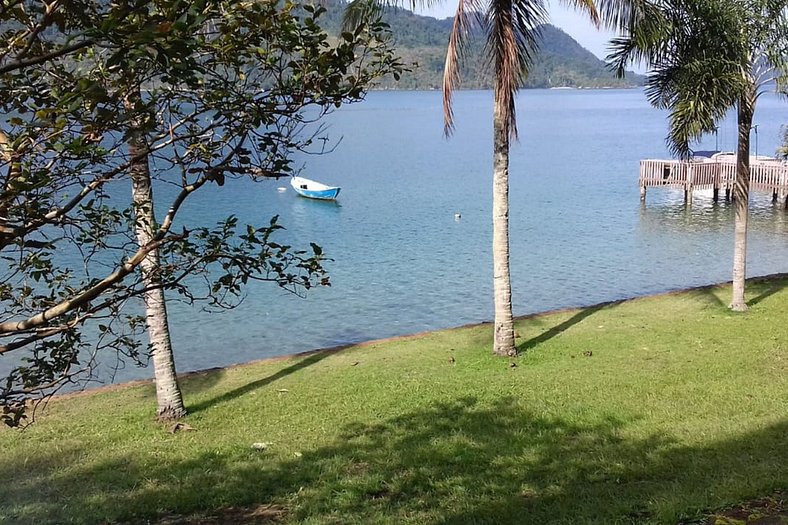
x=646 y=411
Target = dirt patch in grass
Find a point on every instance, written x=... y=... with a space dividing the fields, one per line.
x=770 y=510
x=257 y=515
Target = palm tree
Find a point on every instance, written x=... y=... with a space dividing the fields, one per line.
x=707 y=57
x=511 y=28
x=168 y=393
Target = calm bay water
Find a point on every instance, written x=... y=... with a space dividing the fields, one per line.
x=403 y=264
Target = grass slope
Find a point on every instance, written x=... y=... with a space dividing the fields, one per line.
x=646 y=411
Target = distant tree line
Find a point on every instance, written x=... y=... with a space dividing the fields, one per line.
x=421 y=42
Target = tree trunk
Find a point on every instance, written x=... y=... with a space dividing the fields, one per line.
x=741 y=200
x=168 y=392
x=503 y=343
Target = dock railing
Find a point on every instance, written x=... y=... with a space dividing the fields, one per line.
x=765 y=175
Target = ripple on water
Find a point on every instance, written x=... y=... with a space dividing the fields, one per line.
x=402 y=263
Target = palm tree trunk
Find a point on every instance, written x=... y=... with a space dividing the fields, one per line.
x=8 y=156
x=168 y=393
x=741 y=202
x=503 y=342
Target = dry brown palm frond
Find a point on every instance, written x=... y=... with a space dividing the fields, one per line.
x=455 y=52
x=512 y=43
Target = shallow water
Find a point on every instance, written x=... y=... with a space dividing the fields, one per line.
x=403 y=263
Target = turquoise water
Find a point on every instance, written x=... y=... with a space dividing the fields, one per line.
x=402 y=263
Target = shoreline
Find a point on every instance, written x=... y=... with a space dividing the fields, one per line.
x=416 y=335
x=656 y=397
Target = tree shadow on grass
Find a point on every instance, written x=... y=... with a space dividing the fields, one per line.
x=771 y=289
x=545 y=336
x=28 y=483
x=308 y=360
x=767 y=286
x=463 y=462
x=457 y=462
x=708 y=295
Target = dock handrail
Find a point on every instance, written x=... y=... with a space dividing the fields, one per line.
x=765 y=175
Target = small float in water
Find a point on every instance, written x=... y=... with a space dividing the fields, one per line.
x=314 y=190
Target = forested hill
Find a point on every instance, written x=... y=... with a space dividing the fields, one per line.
x=421 y=42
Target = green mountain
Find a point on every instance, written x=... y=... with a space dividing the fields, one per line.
x=421 y=42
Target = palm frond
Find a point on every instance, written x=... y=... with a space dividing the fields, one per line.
x=698 y=94
x=704 y=57
x=647 y=35
x=776 y=52
x=413 y=4
x=588 y=7
x=622 y=15
x=512 y=42
x=357 y=11
x=455 y=52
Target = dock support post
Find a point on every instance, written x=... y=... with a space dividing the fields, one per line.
x=688 y=185
x=643 y=193
x=716 y=195
x=727 y=194
x=688 y=195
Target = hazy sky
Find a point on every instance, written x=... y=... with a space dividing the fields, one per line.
x=576 y=25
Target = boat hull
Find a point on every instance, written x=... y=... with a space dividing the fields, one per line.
x=326 y=195
x=314 y=190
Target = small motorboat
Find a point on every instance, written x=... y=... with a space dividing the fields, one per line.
x=314 y=190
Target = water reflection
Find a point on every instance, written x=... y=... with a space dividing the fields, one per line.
x=304 y=206
x=705 y=215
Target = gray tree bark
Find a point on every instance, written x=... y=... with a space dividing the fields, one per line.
x=741 y=201
x=503 y=341
x=168 y=393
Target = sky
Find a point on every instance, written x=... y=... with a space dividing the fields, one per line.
x=573 y=23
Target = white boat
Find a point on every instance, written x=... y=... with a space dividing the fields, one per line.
x=313 y=189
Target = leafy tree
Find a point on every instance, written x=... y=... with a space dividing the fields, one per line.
x=201 y=92
x=708 y=57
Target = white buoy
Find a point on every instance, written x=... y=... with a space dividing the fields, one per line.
x=281 y=189
x=457 y=216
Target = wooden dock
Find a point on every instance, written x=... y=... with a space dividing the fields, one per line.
x=767 y=175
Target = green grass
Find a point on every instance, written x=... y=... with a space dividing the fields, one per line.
x=681 y=406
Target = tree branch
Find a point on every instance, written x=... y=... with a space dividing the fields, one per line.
x=65 y=50
x=84 y=297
